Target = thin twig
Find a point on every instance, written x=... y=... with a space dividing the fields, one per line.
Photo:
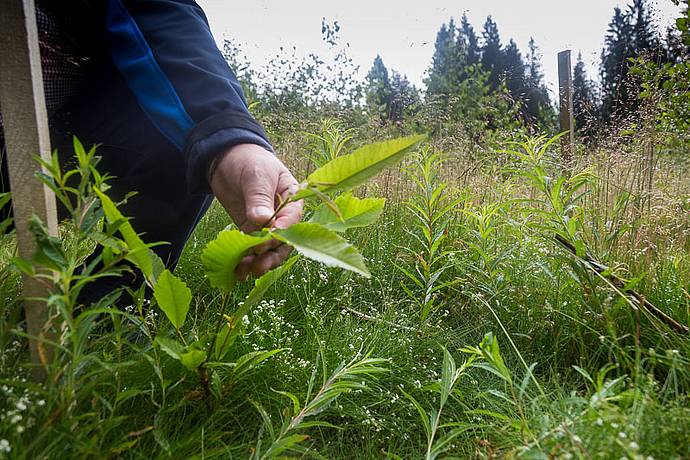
x=620 y=284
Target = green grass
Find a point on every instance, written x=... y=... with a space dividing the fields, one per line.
x=609 y=381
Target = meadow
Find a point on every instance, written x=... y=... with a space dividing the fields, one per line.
x=518 y=307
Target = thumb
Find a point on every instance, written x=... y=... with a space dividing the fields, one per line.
x=259 y=194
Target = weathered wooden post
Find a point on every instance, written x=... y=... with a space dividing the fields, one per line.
x=565 y=86
x=25 y=123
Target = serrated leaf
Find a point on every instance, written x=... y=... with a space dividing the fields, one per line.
x=170 y=346
x=173 y=297
x=322 y=245
x=139 y=253
x=348 y=171
x=354 y=212
x=222 y=255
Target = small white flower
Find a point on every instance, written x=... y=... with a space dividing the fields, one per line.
x=5 y=446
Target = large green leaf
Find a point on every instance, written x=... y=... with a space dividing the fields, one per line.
x=170 y=346
x=226 y=337
x=173 y=297
x=222 y=255
x=354 y=212
x=321 y=244
x=139 y=253
x=348 y=171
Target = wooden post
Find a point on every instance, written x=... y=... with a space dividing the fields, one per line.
x=565 y=85
x=25 y=123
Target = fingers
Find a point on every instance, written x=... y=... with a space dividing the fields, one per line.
x=257 y=265
x=244 y=268
x=289 y=215
x=292 y=212
x=259 y=190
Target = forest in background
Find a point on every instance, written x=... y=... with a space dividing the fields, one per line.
x=484 y=86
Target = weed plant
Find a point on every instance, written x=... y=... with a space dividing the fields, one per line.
x=583 y=370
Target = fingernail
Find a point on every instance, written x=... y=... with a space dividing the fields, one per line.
x=264 y=211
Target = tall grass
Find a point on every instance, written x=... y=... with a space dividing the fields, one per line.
x=582 y=371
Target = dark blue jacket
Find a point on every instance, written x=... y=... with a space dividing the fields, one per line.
x=169 y=60
x=165 y=51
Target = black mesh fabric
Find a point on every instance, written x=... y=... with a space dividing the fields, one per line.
x=64 y=68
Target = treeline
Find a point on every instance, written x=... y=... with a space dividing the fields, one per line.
x=485 y=84
x=473 y=77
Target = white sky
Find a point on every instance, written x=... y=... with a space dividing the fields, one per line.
x=403 y=31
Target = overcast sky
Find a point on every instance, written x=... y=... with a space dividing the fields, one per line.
x=403 y=32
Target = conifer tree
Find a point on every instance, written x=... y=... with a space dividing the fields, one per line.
x=492 y=53
x=584 y=100
x=538 y=108
x=515 y=74
x=441 y=75
x=470 y=41
x=378 y=92
x=631 y=34
x=404 y=97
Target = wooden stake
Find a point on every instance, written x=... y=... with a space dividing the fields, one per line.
x=25 y=123
x=565 y=85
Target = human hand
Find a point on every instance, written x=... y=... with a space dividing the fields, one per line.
x=247 y=181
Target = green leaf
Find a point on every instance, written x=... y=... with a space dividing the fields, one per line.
x=426 y=423
x=283 y=444
x=5 y=198
x=318 y=243
x=139 y=253
x=295 y=402
x=170 y=346
x=222 y=255
x=23 y=266
x=252 y=359
x=193 y=358
x=49 y=251
x=448 y=376
x=173 y=297
x=354 y=212
x=348 y=171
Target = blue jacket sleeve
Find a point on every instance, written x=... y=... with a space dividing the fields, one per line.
x=166 y=53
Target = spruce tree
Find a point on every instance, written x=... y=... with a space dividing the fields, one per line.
x=492 y=53
x=584 y=100
x=631 y=34
x=404 y=98
x=441 y=75
x=515 y=74
x=538 y=109
x=470 y=41
x=378 y=92
x=646 y=38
